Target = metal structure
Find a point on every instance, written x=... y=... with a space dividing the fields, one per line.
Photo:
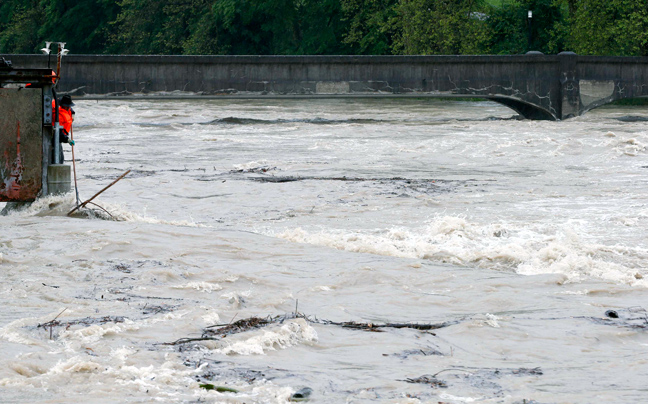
x=25 y=132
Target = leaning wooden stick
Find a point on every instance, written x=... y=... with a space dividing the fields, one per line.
x=98 y=193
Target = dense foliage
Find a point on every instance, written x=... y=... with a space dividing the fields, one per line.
x=293 y=27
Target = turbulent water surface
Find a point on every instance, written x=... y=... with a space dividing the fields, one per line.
x=480 y=258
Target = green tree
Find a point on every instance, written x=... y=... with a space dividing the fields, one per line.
x=19 y=24
x=279 y=27
x=83 y=24
x=138 y=27
x=164 y=27
x=442 y=27
x=321 y=28
x=610 y=27
x=509 y=27
x=372 y=25
x=248 y=27
x=203 y=37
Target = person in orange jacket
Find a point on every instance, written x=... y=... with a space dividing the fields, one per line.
x=65 y=115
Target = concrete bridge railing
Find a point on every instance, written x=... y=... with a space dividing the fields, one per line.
x=536 y=86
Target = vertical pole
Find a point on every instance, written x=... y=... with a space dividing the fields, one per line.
x=57 y=127
x=47 y=136
x=530 y=19
x=58 y=59
x=57 y=144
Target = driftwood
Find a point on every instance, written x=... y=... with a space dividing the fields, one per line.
x=219 y=331
x=98 y=193
x=377 y=327
x=428 y=379
x=240 y=326
x=84 y=321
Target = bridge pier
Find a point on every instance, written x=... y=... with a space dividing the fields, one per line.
x=569 y=86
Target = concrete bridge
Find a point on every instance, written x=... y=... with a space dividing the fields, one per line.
x=536 y=86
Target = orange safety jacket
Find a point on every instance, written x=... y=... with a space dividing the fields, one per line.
x=65 y=118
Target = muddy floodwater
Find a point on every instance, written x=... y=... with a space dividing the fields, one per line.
x=377 y=251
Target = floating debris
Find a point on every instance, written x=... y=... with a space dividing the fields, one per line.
x=84 y=321
x=632 y=317
x=377 y=327
x=428 y=379
x=239 y=326
x=528 y=372
x=301 y=395
x=216 y=332
x=220 y=389
x=414 y=352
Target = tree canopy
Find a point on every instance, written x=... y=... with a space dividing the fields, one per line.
x=315 y=27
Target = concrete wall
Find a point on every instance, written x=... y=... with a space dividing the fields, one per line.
x=21 y=144
x=537 y=86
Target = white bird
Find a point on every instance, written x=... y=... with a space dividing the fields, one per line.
x=64 y=52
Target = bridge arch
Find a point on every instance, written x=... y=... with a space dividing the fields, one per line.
x=608 y=100
x=526 y=109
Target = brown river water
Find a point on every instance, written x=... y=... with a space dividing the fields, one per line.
x=371 y=251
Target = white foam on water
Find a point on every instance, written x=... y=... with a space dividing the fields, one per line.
x=103 y=375
x=52 y=205
x=527 y=250
x=61 y=205
x=206 y=287
x=574 y=292
x=121 y=214
x=629 y=146
x=251 y=165
x=491 y=320
x=270 y=338
x=211 y=317
x=237 y=298
x=322 y=288
x=446 y=396
x=95 y=332
x=262 y=391
x=14 y=332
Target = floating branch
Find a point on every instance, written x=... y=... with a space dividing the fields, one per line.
x=218 y=331
x=376 y=327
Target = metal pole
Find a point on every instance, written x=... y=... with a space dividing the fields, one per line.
x=57 y=145
x=57 y=127
x=530 y=18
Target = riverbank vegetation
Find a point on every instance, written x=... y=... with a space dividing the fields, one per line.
x=318 y=27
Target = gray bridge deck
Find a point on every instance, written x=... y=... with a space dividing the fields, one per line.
x=536 y=86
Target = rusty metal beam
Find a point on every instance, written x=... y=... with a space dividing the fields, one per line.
x=40 y=76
